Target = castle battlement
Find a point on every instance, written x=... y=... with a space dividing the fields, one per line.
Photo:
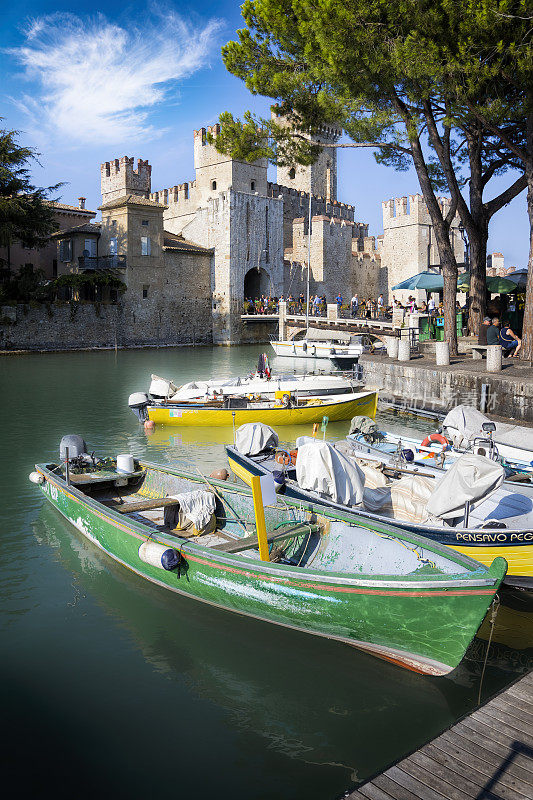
x=410 y=210
x=119 y=177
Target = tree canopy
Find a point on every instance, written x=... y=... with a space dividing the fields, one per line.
x=25 y=211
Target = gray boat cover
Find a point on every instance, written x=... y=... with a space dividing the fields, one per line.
x=321 y=468
x=471 y=478
x=254 y=437
x=364 y=425
x=319 y=335
x=463 y=423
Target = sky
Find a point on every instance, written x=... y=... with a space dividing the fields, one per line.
x=107 y=80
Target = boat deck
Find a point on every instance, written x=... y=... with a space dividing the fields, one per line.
x=488 y=754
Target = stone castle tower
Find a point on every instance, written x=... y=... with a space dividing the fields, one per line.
x=320 y=177
x=118 y=178
x=409 y=244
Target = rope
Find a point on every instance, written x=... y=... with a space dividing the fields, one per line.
x=495 y=606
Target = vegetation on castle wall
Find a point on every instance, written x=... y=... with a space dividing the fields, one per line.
x=29 y=285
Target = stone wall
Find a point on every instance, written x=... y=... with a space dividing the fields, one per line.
x=441 y=388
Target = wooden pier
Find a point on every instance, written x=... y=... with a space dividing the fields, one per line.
x=488 y=755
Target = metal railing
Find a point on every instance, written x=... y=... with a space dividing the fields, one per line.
x=97 y=263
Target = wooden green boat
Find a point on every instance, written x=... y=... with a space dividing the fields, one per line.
x=395 y=595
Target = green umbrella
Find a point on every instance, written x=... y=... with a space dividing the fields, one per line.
x=495 y=285
x=428 y=281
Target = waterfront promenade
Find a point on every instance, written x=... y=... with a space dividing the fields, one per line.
x=486 y=755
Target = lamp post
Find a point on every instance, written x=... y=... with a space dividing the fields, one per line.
x=308 y=251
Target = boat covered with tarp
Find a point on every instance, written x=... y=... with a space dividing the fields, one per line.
x=395 y=595
x=465 y=507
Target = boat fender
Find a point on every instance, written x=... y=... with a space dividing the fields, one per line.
x=304 y=347
x=313 y=350
x=149 y=425
x=332 y=351
x=159 y=555
x=36 y=477
x=220 y=474
x=408 y=455
x=285 y=457
x=279 y=480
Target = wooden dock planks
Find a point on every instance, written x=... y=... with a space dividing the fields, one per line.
x=488 y=755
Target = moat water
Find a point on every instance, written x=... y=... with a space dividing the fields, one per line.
x=115 y=688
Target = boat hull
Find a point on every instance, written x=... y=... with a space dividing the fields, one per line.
x=516 y=546
x=409 y=622
x=183 y=414
x=330 y=352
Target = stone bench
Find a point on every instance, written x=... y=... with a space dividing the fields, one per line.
x=493 y=353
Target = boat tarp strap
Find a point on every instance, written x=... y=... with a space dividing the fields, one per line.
x=254 y=437
x=321 y=468
x=318 y=335
x=463 y=423
x=471 y=478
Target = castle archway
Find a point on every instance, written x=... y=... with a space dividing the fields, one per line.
x=256 y=283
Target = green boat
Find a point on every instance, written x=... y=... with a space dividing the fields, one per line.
x=395 y=595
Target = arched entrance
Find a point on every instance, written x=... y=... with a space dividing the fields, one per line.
x=256 y=283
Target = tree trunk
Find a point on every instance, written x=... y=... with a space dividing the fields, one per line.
x=478 y=278
x=527 y=331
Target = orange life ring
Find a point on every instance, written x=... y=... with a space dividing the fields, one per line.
x=286 y=458
x=435 y=438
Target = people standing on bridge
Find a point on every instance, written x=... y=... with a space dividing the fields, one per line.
x=338 y=300
x=355 y=305
x=381 y=306
x=317 y=302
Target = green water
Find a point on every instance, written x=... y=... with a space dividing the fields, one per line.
x=113 y=688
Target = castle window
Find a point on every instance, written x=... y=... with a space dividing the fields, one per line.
x=144 y=222
x=113 y=246
x=65 y=250
x=292 y=173
x=213 y=185
x=252 y=186
x=113 y=223
x=146 y=286
x=145 y=246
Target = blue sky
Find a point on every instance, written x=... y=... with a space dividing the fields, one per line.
x=110 y=80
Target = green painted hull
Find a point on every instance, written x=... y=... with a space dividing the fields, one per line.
x=424 y=623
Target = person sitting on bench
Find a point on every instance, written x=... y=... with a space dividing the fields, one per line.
x=493 y=332
x=482 y=336
x=509 y=341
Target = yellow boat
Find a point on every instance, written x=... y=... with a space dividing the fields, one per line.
x=304 y=412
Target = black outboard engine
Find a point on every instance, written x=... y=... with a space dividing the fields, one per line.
x=139 y=402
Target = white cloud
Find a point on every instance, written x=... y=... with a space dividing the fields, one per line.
x=97 y=81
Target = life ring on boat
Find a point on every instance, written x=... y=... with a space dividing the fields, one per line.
x=286 y=400
x=286 y=457
x=436 y=438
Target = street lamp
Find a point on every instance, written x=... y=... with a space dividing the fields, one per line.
x=464 y=237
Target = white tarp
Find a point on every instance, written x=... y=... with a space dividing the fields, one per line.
x=463 y=423
x=197 y=506
x=321 y=468
x=160 y=387
x=254 y=437
x=471 y=478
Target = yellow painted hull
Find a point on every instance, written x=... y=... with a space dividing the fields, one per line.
x=518 y=557
x=365 y=405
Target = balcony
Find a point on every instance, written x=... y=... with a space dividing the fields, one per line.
x=98 y=263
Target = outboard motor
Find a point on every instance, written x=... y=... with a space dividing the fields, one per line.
x=76 y=447
x=139 y=402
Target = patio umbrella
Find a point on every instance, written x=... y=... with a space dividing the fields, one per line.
x=519 y=276
x=495 y=285
x=428 y=281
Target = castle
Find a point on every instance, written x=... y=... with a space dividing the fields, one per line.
x=191 y=253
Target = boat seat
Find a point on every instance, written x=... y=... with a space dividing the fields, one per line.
x=250 y=542
x=143 y=505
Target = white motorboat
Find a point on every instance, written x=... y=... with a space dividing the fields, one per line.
x=337 y=346
x=434 y=453
x=260 y=384
x=465 y=427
